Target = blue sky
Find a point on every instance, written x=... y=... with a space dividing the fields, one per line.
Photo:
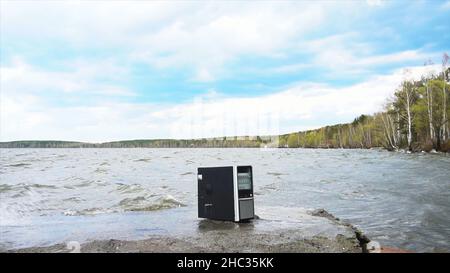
x=100 y=71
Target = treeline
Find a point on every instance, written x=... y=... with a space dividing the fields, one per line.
x=363 y=132
x=225 y=142
x=44 y=144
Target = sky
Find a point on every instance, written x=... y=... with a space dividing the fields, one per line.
x=100 y=71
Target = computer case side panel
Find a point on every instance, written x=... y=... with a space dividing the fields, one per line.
x=215 y=193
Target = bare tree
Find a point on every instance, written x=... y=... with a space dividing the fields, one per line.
x=363 y=136
x=408 y=112
x=340 y=137
x=389 y=131
x=398 y=127
x=429 y=100
x=444 y=128
x=408 y=100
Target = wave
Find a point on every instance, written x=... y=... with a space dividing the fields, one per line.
x=100 y=170
x=5 y=187
x=143 y=160
x=266 y=189
x=140 y=203
x=24 y=186
x=19 y=165
x=275 y=173
x=89 y=211
x=129 y=188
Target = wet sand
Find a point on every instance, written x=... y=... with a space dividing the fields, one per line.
x=276 y=229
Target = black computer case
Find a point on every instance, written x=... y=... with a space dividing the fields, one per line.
x=225 y=193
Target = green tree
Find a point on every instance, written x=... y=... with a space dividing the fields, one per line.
x=292 y=140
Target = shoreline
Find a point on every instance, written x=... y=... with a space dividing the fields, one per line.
x=405 y=151
x=284 y=230
x=8 y=145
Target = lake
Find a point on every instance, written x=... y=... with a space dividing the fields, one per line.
x=50 y=196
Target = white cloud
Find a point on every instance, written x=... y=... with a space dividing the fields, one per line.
x=28 y=95
x=289 y=68
x=343 y=54
x=202 y=37
x=22 y=78
x=446 y=5
x=376 y=3
x=203 y=75
x=397 y=57
x=232 y=32
x=27 y=115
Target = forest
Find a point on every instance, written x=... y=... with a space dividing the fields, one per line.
x=415 y=118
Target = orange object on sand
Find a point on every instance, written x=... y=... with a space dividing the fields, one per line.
x=385 y=249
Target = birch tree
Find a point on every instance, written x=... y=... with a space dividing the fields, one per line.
x=388 y=126
x=405 y=98
x=429 y=96
x=444 y=127
x=391 y=128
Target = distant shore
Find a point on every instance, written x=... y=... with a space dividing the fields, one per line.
x=37 y=144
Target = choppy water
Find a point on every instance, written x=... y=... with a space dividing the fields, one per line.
x=50 y=196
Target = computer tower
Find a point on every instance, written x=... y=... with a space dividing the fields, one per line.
x=226 y=193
